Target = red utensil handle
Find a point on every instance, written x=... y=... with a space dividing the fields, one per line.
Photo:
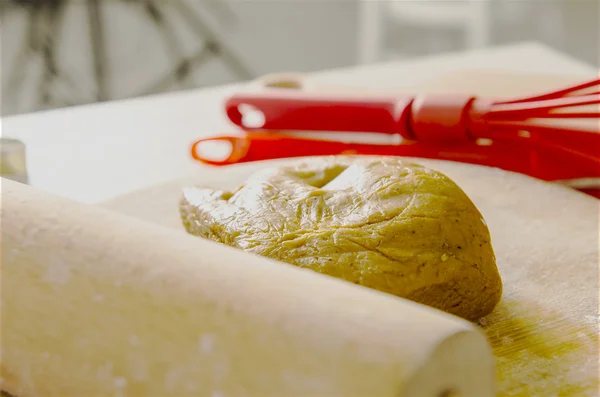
x=430 y=118
x=264 y=146
x=285 y=110
x=549 y=162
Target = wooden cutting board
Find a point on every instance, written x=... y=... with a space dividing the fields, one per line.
x=546 y=237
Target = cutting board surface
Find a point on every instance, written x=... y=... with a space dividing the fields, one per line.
x=546 y=237
x=544 y=332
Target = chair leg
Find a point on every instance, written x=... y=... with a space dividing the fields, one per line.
x=98 y=49
x=191 y=62
x=215 y=43
x=54 y=14
x=182 y=74
x=478 y=30
x=370 y=31
x=18 y=70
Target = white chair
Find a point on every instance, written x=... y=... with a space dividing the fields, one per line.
x=472 y=16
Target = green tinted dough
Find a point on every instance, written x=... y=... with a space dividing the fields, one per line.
x=382 y=223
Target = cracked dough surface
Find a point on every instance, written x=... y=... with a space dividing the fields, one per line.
x=382 y=223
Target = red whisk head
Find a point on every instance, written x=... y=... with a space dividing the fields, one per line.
x=560 y=116
x=563 y=122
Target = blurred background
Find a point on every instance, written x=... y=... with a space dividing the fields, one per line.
x=57 y=53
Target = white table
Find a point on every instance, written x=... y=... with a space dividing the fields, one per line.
x=94 y=152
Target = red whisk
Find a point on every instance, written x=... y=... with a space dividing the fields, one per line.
x=554 y=136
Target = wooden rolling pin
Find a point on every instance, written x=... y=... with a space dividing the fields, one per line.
x=95 y=303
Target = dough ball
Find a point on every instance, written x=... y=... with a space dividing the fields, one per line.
x=382 y=223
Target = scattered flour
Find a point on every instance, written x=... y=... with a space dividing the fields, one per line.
x=138 y=367
x=134 y=340
x=173 y=378
x=594 y=320
x=105 y=371
x=191 y=387
x=120 y=383
x=57 y=272
x=207 y=342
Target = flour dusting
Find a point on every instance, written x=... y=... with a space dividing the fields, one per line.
x=138 y=367
x=120 y=383
x=314 y=384
x=104 y=371
x=191 y=387
x=134 y=340
x=98 y=298
x=173 y=378
x=57 y=272
x=207 y=342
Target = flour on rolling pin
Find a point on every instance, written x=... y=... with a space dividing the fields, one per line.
x=97 y=303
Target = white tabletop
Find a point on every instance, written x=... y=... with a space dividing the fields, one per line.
x=95 y=152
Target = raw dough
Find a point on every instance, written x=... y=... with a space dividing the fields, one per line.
x=382 y=223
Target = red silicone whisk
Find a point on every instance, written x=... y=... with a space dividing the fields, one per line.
x=431 y=117
x=553 y=136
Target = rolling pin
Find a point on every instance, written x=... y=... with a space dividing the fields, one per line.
x=95 y=303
